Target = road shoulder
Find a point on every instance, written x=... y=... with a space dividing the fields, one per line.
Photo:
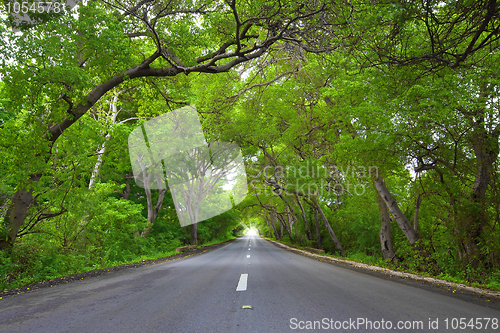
x=476 y=295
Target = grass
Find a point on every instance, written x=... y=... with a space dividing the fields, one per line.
x=215 y=241
x=42 y=268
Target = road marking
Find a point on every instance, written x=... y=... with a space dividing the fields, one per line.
x=248 y=256
x=248 y=249
x=247 y=307
x=242 y=284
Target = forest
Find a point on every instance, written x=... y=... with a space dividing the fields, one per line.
x=369 y=129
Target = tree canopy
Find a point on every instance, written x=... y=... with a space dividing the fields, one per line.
x=368 y=129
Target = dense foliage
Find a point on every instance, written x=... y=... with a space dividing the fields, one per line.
x=368 y=129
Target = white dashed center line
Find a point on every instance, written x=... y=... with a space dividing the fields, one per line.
x=242 y=284
x=248 y=256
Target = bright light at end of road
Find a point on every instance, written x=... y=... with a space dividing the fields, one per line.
x=252 y=232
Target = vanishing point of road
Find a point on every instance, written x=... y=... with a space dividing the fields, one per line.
x=249 y=285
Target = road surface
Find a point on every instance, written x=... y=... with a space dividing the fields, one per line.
x=250 y=285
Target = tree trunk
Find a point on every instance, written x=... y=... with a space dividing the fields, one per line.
x=486 y=150
x=430 y=264
x=296 y=237
x=153 y=213
x=291 y=223
x=268 y=225
x=284 y=226
x=281 y=230
x=308 y=230
x=318 y=230
x=393 y=206
x=113 y=113
x=330 y=231
x=385 y=230
x=194 y=234
x=16 y=214
x=417 y=209
x=273 y=225
x=95 y=171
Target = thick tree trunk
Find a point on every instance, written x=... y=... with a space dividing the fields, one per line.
x=430 y=264
x=393 y=206
x=318 y=230
x=16 y=214
x=194 y=234
x=385 y=230
x=330 y=231
x=486 y=150
x=476 y=217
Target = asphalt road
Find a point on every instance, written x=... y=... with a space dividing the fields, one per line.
x=287 y=292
